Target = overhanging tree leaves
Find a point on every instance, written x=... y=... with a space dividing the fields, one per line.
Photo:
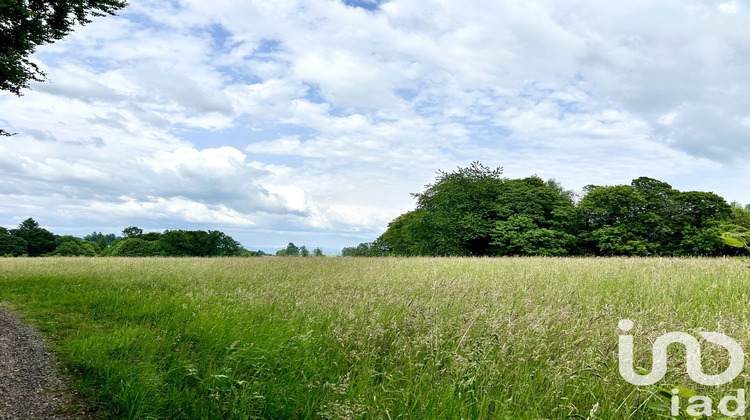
x=27 y=24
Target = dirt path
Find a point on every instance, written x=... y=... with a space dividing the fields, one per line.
x=30 y=386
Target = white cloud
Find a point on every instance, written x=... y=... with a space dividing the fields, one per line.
x=290 y=116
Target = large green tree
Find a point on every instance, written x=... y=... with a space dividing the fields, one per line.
x=70 y=246
x=454 y=215
x=649 y=217
x=377 y=248
x=198 y=243
x=475 y=211
x=11 y=245
x=132 y=232
x=739 y=216
x=521 y=235
x=27 y=24
x=175 y=243
x=467 y=212
x=131 y=247
x=412 y=233
x=291 y=250
x=39 y=240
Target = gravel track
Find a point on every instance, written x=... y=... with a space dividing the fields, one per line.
x=31 y=386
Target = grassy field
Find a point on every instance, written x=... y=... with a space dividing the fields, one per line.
x=336 y=338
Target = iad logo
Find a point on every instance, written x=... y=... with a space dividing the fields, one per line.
x=700 y=405
x=693 y=358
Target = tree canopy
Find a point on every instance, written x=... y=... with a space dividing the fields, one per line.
x=27 y=24
x=293 y=250
x=474 y=211
x=31 y=240
x=174 y=243
x=38 y=240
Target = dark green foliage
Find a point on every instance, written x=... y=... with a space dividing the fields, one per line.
x=291 y=250
x=410 y=234
x=101 y=240
x=98 y=237
x=705 y=241
x=132 y=232
x=132 y=247
x=702 y=209
x=367 y=249
x=11 y=245
x=38 y=240
x=197 y=243
x=175 y=243
x=220 y=244
x=520 y=235
x=459 y=215
x=460 y=209
x=150 y=236
x=30 y=239
x=70 y=246
x=474 y=211
x=738 y=220
x=27 y=24
x=257 y=253
x=737 y=241
x=178 y=243
x=67 y=238
x=649 y=217
x=609 y=240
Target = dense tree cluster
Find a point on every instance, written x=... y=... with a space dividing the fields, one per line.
x=174 y=243
x=293 y=250
x=35 y=239
x=474 y=211
x=29 y=239
x=367 y=249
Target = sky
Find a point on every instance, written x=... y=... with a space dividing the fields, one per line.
x=313 y=121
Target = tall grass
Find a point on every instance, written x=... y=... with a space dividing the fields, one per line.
x=337 y=338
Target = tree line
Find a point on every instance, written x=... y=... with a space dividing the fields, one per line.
x=475 y=211
x=293 y=250
x=30 y=239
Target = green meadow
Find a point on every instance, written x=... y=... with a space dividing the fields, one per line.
x=388 y=338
